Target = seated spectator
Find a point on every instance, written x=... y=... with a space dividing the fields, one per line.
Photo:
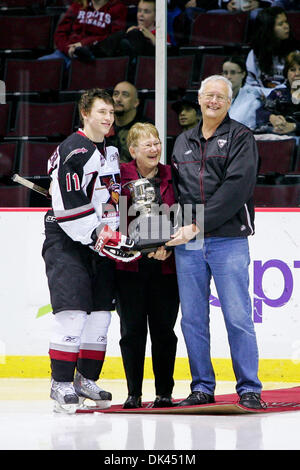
x=245 y=99
x=140 y=38
x=280 y=113
x=271 y=42
x=83 y=30
x=292 y=5
x=222 y=6
x=125 y=96
x=188 y=112
x=251 y=6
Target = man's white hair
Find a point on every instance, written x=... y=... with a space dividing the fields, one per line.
x=215 y=78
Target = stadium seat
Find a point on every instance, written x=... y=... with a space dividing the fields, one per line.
x=14 y=196
x=53 y=120
x=277 y=156
x=22 y=3
x=211 y=64
x=210 y=29
x=33 y=75
x=8 y=158
x=25 y=32
x=294 y=21
x=5 y=116
x=173 y=127
x=281 y=195
x=145 y=73
x=179 y=72
x=102 y=73
x=34 y=158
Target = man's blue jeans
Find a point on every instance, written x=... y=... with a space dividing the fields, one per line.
x=227 y=261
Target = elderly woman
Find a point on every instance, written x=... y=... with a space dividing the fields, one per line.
x=147 y=292
x=280 y=113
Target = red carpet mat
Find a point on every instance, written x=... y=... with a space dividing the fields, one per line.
x=286 y=399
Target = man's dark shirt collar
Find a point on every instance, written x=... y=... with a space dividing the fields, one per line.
x=196 y=132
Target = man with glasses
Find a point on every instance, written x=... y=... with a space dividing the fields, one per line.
x=214 y=167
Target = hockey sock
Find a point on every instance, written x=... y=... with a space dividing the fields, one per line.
x=93 y=344
x=65 y=343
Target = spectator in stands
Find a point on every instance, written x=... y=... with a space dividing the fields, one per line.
x=84 y=30
x=245 y=99
x=182 y=12
x=125 y=96
x=188 y=112
x=251 y=6
x=280 y=113
x=140 y=38
x=287 y=4
x=231 y=6
x=272 y=41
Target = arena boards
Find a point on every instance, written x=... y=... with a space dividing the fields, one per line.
x=275 y=400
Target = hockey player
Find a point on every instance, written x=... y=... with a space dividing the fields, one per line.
x=81 y=228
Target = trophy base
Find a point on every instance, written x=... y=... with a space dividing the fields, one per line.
x=146 y=246
x=150 y=232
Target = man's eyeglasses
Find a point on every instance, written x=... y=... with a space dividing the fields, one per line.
x=230 y=72
x=211 y=96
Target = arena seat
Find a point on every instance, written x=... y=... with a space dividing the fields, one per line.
x=179 y=72
x=277 y=156
x=22 y=3
x=34 y=158
x=52 y=120
x=14 y=196
x=294 y=21
x=5 y=116
x=211 y=64
x=26 y=32
x=223 y=29
x=173 y=127
x=33 y=75
x=8 y=158
x=102 y=73
x=281 y=195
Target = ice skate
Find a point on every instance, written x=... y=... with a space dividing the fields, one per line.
x=87 y=389
x=65 y=398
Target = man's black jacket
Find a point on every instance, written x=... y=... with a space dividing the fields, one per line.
x=220 y=173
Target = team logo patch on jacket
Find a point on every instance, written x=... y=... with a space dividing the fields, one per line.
x=221 y=143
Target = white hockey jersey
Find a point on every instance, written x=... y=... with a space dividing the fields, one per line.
x=85 y=187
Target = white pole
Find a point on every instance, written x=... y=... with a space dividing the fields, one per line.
x=161 y=74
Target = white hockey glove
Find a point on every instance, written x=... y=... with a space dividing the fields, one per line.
x=116 y=246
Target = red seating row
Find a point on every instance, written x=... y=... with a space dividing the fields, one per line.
x=28 y=159
x=37 y=76
x=280 y=195
x=265 y=196
x=208 y=29
x=39 y=119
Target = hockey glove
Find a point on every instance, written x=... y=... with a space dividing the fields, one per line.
x=116 y=246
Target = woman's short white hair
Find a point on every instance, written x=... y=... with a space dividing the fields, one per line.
x=214 y=78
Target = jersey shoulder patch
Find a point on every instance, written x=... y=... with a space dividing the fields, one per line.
x=75 y=146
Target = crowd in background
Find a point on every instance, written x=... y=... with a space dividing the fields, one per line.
x=265 y=75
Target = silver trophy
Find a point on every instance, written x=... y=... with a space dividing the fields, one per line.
x=151 y=227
